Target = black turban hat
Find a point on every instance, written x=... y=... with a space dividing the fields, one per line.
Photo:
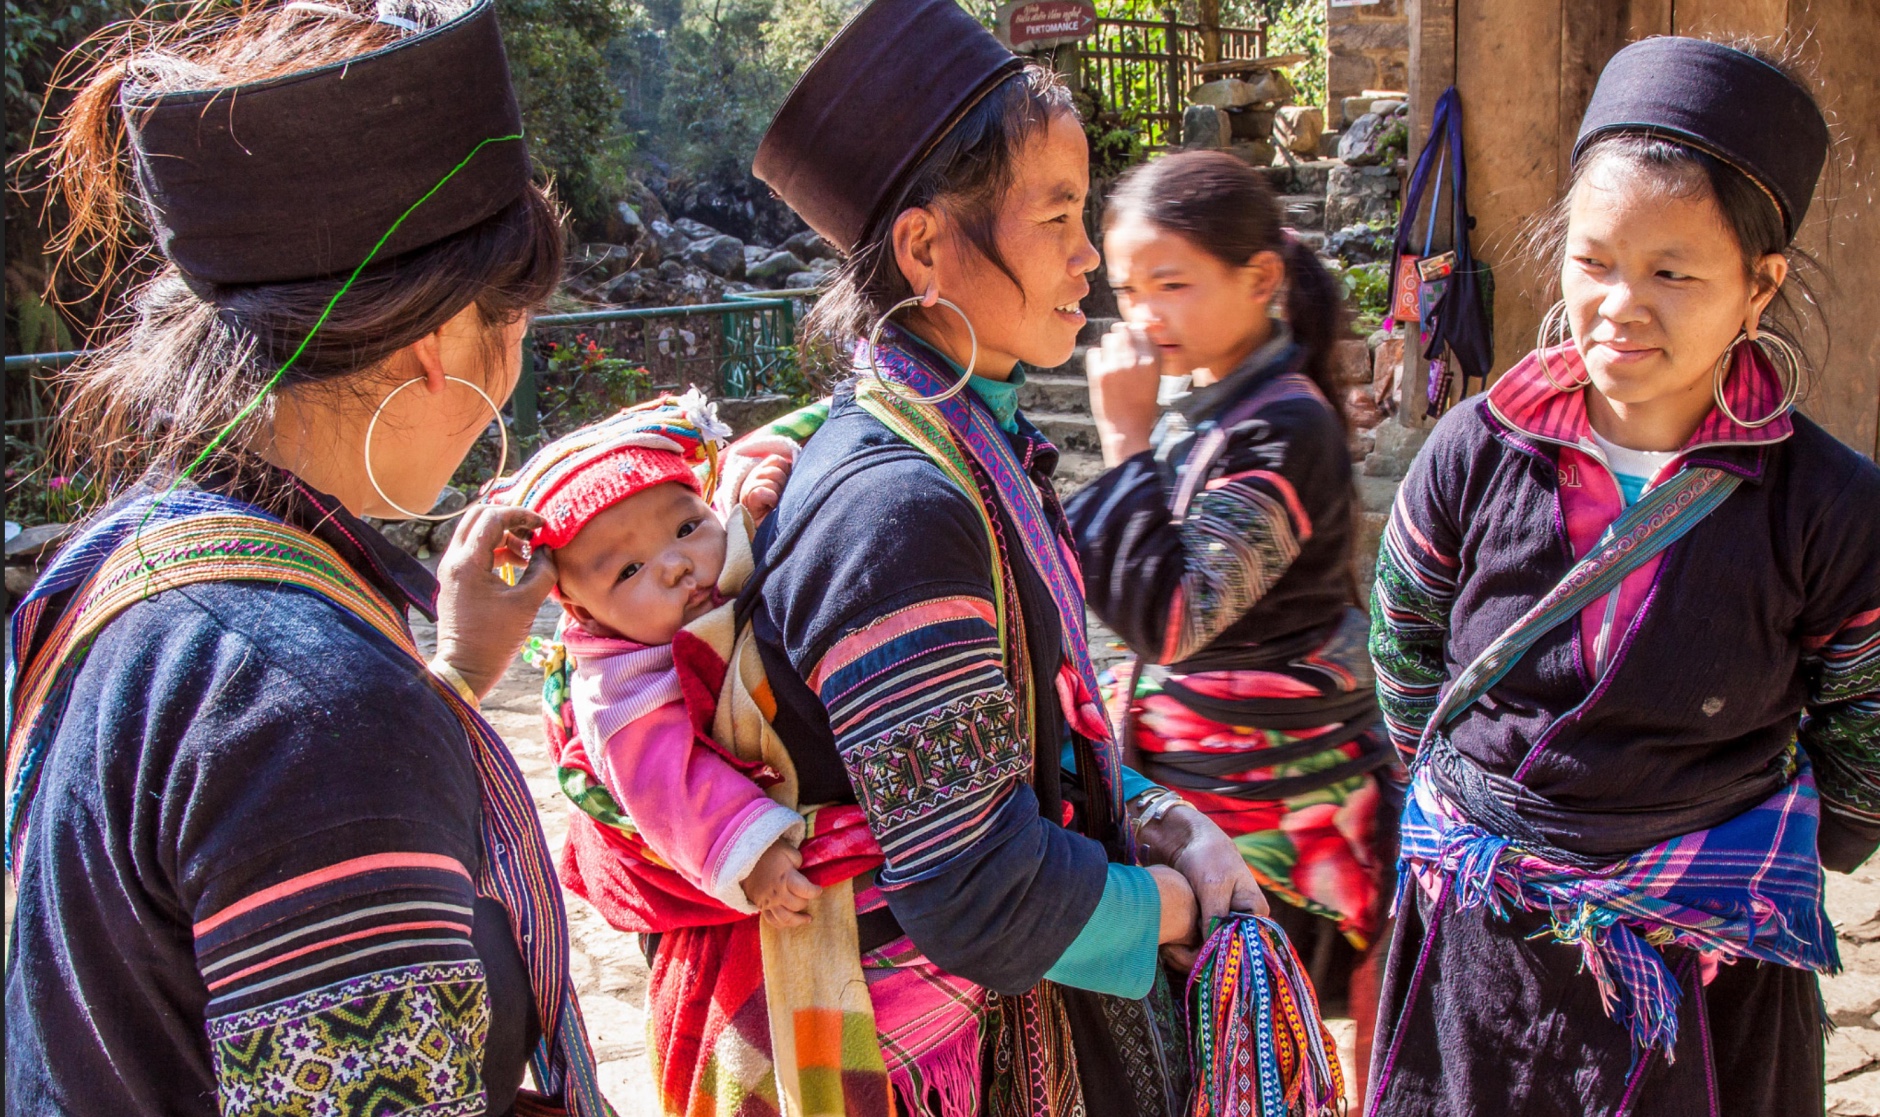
x=886 y=89
x=1721 y=101
x=300 y=177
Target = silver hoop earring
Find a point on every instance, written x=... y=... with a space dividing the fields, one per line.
x=501 y=461
x=874 y=341
x=1552 y=333
x=1792 y=386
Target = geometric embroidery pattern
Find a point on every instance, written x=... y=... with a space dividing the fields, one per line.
x=420 y=1029
x=1237 y=540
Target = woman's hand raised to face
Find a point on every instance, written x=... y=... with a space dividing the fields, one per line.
x=481 y=619
x=1125 y=373
x=1193 y=845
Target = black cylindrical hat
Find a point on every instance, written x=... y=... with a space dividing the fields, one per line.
x=300 y=177
x=1722 y=101
x=888 y=87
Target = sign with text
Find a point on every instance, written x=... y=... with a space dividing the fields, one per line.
x=1030 y=25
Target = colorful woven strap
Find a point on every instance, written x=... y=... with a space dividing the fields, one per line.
x=927 y=433
x=231 y=547
x=1665 y=515
x=1259 y=1048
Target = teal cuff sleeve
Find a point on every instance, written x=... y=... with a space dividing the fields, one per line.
x=1116 y=952
x=1134 y=782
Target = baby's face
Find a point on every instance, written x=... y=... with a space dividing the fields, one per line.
x=645 y=567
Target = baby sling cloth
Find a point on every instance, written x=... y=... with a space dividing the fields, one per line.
x=1748 y=887
x=160 y=543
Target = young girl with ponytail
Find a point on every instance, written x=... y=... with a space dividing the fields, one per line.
x=1218 y=542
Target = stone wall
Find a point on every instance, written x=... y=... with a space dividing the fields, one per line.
x=1369 y=48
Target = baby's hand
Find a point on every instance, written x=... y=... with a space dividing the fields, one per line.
x=775 y=887
x=764 y=487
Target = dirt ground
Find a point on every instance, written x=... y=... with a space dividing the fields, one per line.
x=610 y=972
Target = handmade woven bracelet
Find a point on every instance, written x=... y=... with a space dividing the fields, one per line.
x=441 y=667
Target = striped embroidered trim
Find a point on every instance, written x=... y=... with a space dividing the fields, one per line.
x=889 y=627
x=1238 y=539
x=373 y=863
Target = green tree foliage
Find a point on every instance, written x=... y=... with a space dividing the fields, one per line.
x=702 y=78
x=556 y=60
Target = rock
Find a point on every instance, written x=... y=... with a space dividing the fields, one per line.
x=409 y=536
x=1371 y=527
x=808 y=245
x=753 y=253
x=696 y=230
x=672 y=271
x=721 y=255
x=439 y=537
x=671 y=241
x=1386 y=367
x=624 y=224
x=1388 y=107
x=1206 y=127
x=1227 y=93
x=1256 y=153
x=600 y=262
x=1298 y=128
x=1355 y=198
x=747 y=414
x=1360 y=408
x=1396 y=448
x=20 y=579
x=37 y=541
x=1351 y=108
x=1358 y=243
x=1302 y=211
x=1854 y=907
x=1851 y=1050
x=1251 y=124
x=825 y=265
x=1858 y=1096
x=627 y=287
x=775 y=268
x=802 y=279
x=1851 y=998
x=1266 y=87
x=1351 y=358
x=1373 y=139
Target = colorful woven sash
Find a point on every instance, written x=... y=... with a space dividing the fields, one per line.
x=1664 y=516
x=941 y=430
x=142 y=550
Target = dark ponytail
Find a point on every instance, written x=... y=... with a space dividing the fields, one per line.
x=1226 y=209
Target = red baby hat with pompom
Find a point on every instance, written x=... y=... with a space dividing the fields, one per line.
x=580 y=475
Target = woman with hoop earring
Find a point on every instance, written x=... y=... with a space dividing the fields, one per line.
x=268 y=858
x=921 y=620
x=1627 y=635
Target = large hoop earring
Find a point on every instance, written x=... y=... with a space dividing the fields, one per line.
x=501 y=461
x=1552 y=333
x=874 y=340
x=1792 y=387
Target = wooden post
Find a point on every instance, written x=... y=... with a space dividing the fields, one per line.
x=523 y=403
x=1208 y=17
x=1171 y=45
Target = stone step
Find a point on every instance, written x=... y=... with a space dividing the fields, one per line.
x=1057 y=390
x=1091 y=332
x=1302 y=211
x=1068 y=430
x=1077 y=468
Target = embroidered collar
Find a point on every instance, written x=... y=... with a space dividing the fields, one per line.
x=1525 y=401
x=999 y=396
x=1197 y=404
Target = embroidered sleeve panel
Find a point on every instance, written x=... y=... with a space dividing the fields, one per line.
x=1841 y=722
x=1239 y=537
x=401 y=1040
x=927 y=726
x=1410 y=603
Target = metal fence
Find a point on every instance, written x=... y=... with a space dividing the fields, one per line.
x=741 y=347
x=1146 y=67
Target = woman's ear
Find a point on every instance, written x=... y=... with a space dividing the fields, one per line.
x=1771 y=271
x=1264 y=274
x=428 y=351
x=915 y=233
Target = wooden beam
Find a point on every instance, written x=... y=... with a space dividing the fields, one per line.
x=1841 y=39
x=1724 y=18
x=1507 y=54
